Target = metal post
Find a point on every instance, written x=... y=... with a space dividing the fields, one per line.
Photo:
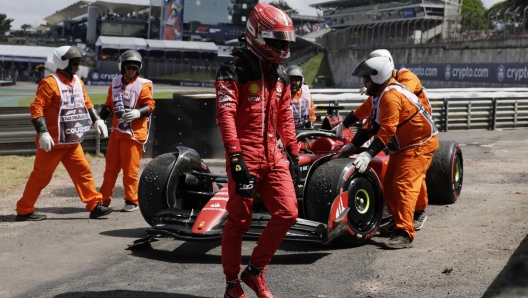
x=446 y=115
x=514 y=15
x=469 y=115
x=504 y=22
x=97 y=144
x=383 y=37
x=515 y=110
x=524 y=17
x=379 y=27
x=494 y=114
x=401 y=30
x=488 y=18
x=150 y=19
x=480 y=18
x=373 y=26
x=471 y=21
x=408 y=31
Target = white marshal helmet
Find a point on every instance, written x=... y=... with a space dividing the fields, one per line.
x=130 y=57
x=379 y=69
x=382 y=53
x=296 y=71
x=63 y=55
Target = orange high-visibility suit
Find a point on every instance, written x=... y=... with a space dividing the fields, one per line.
x=408 y=79
x=48 y=103
x=124 y=149
x=412 y=139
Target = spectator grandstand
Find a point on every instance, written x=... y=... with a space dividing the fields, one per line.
x=380 y=21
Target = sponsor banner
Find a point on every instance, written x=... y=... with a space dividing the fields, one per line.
x=219 y=31
x=328 y=21
x=470 y=72
x=100 y=78
x=196 y=84
x=408 y=13
x=172 y=19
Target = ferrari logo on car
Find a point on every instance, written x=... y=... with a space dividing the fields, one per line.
x=202 y=223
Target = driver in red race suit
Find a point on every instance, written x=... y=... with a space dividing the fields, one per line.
x=253 y=110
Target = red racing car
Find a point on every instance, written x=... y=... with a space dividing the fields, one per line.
x=180 y=198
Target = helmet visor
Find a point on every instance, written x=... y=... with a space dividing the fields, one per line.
x=363 y=69
x=282 y=35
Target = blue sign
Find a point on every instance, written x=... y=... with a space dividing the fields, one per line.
x=100 y=78
x=408 y=13
x=328 y=21
x=470 y=72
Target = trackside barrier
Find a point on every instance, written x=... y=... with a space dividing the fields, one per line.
x=17 y=135
x=462 y=113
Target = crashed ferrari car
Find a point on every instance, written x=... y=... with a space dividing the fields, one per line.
x=180 y=198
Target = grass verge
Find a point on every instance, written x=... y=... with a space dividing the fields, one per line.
x=15 y=171
x=95 y=98
x=317 y=71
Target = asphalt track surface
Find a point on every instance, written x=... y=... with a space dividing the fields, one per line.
x=473 y=248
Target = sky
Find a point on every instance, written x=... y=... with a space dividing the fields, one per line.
x=33 y=12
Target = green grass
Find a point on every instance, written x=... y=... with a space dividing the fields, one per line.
x=317 y=67
x=95 y=98
x=15 y=170
x=190 y=76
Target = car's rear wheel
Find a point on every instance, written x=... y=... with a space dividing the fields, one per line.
x=167 y=182
x=445 y=175
x=365 y=199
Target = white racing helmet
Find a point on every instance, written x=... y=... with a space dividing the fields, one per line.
x=296 y=71
x=63 y=55
x=382 y=53
x=130 y=57
x=379 y=69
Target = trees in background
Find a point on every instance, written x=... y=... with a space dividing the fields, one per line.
x=5 y=25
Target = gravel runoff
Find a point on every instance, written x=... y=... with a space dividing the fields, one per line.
x=477 y=247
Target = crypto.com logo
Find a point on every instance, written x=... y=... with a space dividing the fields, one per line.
x=501 y=71
x=447 y=72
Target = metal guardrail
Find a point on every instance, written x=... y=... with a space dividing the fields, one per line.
x=462 y=113
x=17 y=135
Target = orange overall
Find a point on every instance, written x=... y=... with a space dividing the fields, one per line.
x=402 y=184
x=125 y=152
x=408 y=79
x=47 y=103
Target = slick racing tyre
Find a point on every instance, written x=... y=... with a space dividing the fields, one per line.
x=167 y=182
x=445 y=175
x=365 y=199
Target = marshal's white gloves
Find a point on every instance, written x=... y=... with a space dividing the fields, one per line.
x=363 y=90
x=46 y=141
x=338 y=129
x=362 y=161
x=131 y=115
x=101 y=128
